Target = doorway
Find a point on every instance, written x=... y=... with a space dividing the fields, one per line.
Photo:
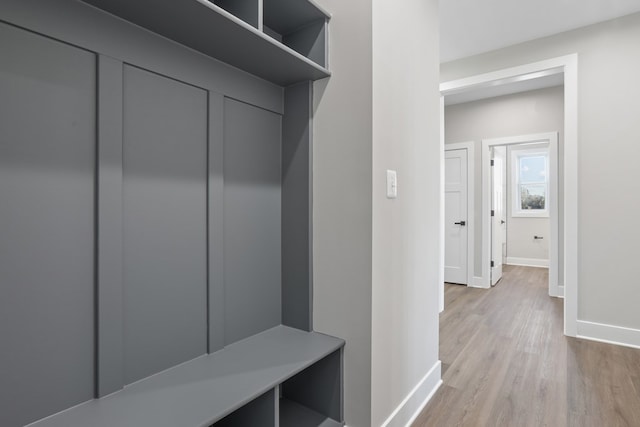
x=567 y=66
x=520 y=175
x=459 y=221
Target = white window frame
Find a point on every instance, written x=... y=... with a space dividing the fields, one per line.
x=516 y=205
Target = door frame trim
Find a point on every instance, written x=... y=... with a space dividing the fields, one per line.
x=554 y=238
x=568 y=65
x=470 y=147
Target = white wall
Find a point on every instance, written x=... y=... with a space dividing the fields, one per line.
x=342 y=163
x=608 y=150
x=406 y=134
x=537 y=111
x=376 y=260
x=521 y=230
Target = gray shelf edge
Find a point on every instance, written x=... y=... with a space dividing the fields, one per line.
x=335 y=345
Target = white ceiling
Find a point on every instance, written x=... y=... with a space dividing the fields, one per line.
x=470 y=27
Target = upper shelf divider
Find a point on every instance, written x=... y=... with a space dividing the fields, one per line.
x=291 y=49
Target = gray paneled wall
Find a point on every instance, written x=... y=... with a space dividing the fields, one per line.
x=157 y=241
x=252 y=231
x=47 y=167
x=165 y=222
x=296 y=207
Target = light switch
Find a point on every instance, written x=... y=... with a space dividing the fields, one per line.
x=392 y=184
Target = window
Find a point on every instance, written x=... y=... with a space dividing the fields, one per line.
x=530 y=181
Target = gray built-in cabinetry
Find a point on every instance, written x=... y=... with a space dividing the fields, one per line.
x=155 y=215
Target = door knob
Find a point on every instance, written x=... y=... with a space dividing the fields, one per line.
x=462 y=223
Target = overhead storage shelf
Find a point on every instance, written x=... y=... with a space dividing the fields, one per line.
x=291 y=49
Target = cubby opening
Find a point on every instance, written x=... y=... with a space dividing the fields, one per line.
x=313 y=397
x=246 y=10
x=298 y=25
x=259 y=412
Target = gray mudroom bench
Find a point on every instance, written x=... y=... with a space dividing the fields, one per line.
x=156 y=186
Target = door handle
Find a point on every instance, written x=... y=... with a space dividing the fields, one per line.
x=462 y=223
x=501 y=221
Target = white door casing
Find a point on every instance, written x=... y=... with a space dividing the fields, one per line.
x=568 y=65
x=455 y=217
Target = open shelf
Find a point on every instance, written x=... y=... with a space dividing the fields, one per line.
x=246 y=10
x=209 y=388
x=293 y=414
x=228 y=30
x=259 y=412
x=300 y=25
x=313 y=397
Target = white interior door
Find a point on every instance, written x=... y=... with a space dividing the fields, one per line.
x=455 y=214
x=498 y=211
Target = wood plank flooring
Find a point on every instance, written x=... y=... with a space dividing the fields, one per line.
x=506 y=362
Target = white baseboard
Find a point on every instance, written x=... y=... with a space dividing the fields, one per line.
x=558 y=292
x=479 y=282
x=528 y=262
x=610 y=334
x=409 y=409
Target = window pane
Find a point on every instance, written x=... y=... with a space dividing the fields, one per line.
x=533 y=169
x=533 y=196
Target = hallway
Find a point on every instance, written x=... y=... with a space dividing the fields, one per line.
x=506 y=362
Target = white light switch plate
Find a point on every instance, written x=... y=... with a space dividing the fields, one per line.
x=392 y=184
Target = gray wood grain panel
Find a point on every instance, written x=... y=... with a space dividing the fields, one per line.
x=165 y=222
x=206 y=389
x=296 y=207
x=110 y=294
x=215 y=240
x=80 y=24
x=47 y=179
x=252 y=229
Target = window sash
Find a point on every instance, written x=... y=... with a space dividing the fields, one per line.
x=518 y=183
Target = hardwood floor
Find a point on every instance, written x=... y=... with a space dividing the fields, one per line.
x=506 y=362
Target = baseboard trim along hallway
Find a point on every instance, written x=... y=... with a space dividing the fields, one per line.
x=412 y=405
x=528 y=262
x=610 y=334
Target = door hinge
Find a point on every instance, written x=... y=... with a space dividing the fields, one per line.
x=492 y=162
x=493 y=213
x=492 y=264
